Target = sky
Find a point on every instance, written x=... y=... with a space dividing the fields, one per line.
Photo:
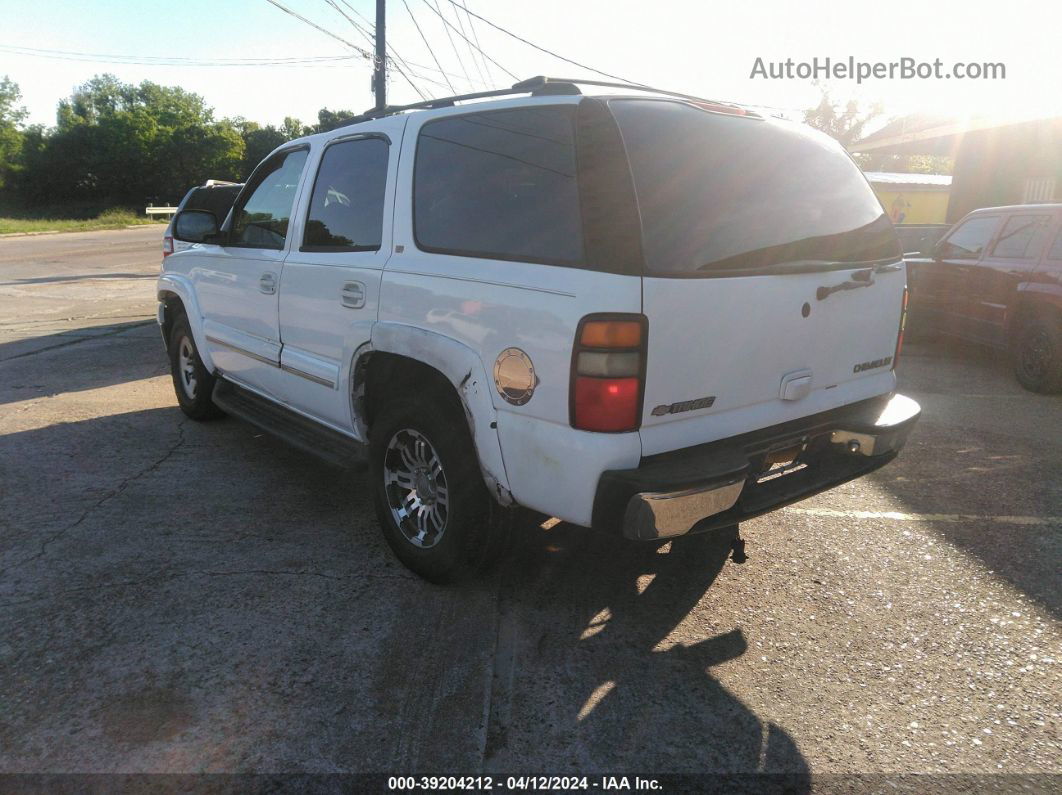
x=706 y=48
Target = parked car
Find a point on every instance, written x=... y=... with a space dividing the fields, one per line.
x=652 y=315
x=996 y=278
x=215 y=196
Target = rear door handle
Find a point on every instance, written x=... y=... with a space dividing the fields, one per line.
x=353 y=295
x=268 y=283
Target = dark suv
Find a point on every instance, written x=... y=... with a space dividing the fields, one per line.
x=996 y=278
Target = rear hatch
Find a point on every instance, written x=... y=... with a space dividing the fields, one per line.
x=773 y=279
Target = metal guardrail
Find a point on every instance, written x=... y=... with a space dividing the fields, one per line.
x=169 y=212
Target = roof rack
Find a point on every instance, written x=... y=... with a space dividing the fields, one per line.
x=536 y=87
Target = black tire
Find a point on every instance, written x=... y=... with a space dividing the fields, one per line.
x=475 y=528
x=191 y=381
x=1038 y=353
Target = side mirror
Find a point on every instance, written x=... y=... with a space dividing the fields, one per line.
x=195 y=226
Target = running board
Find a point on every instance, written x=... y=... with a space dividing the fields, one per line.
x=293 y=428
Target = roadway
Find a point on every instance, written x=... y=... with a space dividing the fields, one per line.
x=182 y=597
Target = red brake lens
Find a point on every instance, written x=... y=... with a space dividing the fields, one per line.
x=608 y=366
x=606 y=404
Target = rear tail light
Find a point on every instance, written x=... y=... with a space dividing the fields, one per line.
x=899 y=336
x=167 y=246
x=608 y=373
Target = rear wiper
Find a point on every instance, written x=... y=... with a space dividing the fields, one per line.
x=863 y=278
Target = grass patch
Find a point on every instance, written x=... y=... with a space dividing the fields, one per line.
x=109 y=219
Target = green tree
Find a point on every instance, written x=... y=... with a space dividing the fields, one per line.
x=842 y=122
x=117 y=142
x=293 y=128
x=330 y=119
x=12 y=115
x=258 y=141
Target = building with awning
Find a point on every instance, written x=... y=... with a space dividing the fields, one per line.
x=997 y=162
x=912 y=198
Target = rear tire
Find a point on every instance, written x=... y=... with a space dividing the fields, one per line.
x=432 y=504
x=191 y=381
x=1038 y=354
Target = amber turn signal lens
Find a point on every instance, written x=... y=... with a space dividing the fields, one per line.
x=611 y=334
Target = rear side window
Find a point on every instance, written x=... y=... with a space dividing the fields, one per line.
x=262 y=221
x=500 y=184
x=1022 y=237
x=346 y=209
x=968 y=241
x=726 y=195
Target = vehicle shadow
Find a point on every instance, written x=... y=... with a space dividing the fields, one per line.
x=255 y=618
x=110 y=354
x=982 y=458
x=81 y=277
x=600 y=668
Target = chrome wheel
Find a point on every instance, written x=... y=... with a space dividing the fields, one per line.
x=416 y=488
x=186 y=367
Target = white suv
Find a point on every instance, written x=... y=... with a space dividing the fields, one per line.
x=648 y=314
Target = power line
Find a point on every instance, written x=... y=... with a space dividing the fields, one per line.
x=475 y=35
x=448 y=25
x=395 y=61
x=426 y=44
x=171 y=60
x=543 y=49
x=468 y=43
x=356 y=48
x=444 y=73
x=436 y=10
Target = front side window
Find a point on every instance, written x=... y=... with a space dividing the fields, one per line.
x=347 y=206
x=970 y=239
x=262 y=220
x=500 y=184
x=1022 y=237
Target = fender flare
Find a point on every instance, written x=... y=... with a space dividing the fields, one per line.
x=181 y=286
x=462 y=367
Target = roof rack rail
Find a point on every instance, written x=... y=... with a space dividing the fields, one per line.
x=536 y=86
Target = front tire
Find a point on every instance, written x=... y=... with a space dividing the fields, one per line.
x=1038 y=354
x=191 y=381
x=432 y=504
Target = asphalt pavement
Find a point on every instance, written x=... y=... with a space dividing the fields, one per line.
x=187 y=597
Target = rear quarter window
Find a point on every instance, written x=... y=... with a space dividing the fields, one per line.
x=731 y=195
x=500 y=184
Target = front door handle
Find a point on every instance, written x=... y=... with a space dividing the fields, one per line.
x=268 y=283
x=353 y=295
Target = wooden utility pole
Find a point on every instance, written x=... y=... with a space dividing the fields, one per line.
x=379 y=75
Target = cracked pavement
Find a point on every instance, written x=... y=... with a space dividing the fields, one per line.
x=185 y=597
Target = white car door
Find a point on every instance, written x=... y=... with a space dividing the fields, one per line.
x=237 y=281
x=330 y=290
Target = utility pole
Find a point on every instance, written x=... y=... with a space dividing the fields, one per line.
x=379 y=74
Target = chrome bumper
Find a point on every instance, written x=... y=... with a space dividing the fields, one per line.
x=838 y=448
x=653 y=514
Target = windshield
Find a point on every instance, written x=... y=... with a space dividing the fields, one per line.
x=732 y=195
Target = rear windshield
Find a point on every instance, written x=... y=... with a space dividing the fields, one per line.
x=730 y=195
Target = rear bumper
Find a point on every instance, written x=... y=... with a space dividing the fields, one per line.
x=726 y=482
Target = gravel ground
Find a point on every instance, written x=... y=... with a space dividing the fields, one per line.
x=183 y=597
